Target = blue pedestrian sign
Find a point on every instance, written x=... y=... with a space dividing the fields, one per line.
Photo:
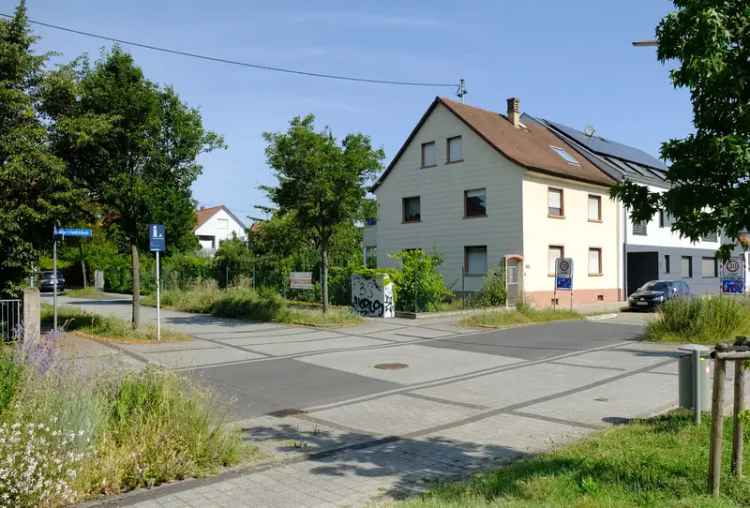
x=156 y=239
x=68 y=232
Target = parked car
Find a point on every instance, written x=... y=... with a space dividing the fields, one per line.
x=47 y=282
x=655 y=292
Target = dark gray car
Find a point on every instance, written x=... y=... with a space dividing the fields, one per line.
x=655 y=292
x=47 y=282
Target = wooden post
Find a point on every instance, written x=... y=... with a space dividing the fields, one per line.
x=739 y=406
x=717 y=428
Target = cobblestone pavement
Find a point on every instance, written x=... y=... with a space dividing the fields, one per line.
x=340 y=430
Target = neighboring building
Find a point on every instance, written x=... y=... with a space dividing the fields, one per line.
x=649 y=251
x=485 y=189
x=216 y=224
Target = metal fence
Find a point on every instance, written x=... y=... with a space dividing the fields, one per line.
x=10 y=319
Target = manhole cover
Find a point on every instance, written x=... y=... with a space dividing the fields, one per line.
x=282 y=413
x=391 y=366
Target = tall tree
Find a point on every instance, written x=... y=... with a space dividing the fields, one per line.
x=34 y=189
x=320 y=183
x=710 y=170
x=133 y=145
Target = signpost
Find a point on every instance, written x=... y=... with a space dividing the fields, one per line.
x=301 y=280
x=733 y=276
x=157 y=242
x=62 y=233
x=563 y=278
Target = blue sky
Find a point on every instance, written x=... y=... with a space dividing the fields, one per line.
x=571 y=62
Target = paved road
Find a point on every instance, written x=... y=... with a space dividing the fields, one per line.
x=462 y=399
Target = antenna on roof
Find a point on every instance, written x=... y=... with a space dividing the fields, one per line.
x=589 y=131
x=461 y=90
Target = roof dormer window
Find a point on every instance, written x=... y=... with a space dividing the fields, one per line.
x=564 y=155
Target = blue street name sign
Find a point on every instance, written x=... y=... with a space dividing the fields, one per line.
x=82 y=232
x=156 y=239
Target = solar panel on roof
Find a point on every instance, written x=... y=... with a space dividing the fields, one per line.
x=611 y=148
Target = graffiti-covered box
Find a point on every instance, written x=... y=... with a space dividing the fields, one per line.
x=373 y=296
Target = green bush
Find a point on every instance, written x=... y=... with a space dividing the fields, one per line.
x=245 y=303
x=182 y=270
x=420 y=284
x=493 y=292
x=708 y=319
x=233 y=260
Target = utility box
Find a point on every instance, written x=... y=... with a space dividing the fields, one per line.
x=694 y=377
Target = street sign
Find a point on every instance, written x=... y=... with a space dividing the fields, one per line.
x=300 y=280
x=156 y=239
x=733 y=276
x=564 y=274
x=81 y=232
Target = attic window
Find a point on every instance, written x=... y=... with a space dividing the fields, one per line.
x=565 y=155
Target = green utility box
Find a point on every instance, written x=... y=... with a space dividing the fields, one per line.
x=695 y=376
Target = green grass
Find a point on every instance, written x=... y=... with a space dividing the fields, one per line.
x=520 y=315
x=89 y=292
x=707 y=320
x=73 y=319
x=247 y=303
x=660 y=462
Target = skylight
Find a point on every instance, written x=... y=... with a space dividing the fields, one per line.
x=565 y=155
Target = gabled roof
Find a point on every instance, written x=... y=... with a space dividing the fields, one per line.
x=621 y=161
x=529 y=146
x=202 y=215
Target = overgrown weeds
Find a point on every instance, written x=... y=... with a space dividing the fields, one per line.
x=522 y=314
x=84 y=436
x=702 y=320
x=251 y=304
x=106 y=327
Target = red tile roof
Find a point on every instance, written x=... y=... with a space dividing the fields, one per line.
x=202 y=215
x=528 y=146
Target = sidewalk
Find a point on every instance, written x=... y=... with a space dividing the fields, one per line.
x=391 y=445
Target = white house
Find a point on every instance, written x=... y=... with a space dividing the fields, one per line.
x=650 y=251
x=216 y=224
x=484 y=189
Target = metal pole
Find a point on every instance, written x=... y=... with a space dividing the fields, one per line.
x=54 y=283
x=697 y=395
x=158 y=297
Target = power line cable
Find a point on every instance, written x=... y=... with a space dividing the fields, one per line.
x=236 y=62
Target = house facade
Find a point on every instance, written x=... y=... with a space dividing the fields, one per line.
x=481 y=188
x=649 y=250
x=214 y=225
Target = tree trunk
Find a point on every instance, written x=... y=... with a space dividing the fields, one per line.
x=136 y=286
x=324 y=273
x=83 y=267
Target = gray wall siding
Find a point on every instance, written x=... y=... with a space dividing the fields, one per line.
x=441 y=191
x=699 y=285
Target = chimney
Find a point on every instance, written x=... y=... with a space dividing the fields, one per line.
x=514 y=111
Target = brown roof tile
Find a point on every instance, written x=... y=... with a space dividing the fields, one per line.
x=528 y=146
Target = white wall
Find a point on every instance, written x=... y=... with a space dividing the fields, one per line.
x=222 y=226
x=662 y=237
x=441 y=190
x=574 y=232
